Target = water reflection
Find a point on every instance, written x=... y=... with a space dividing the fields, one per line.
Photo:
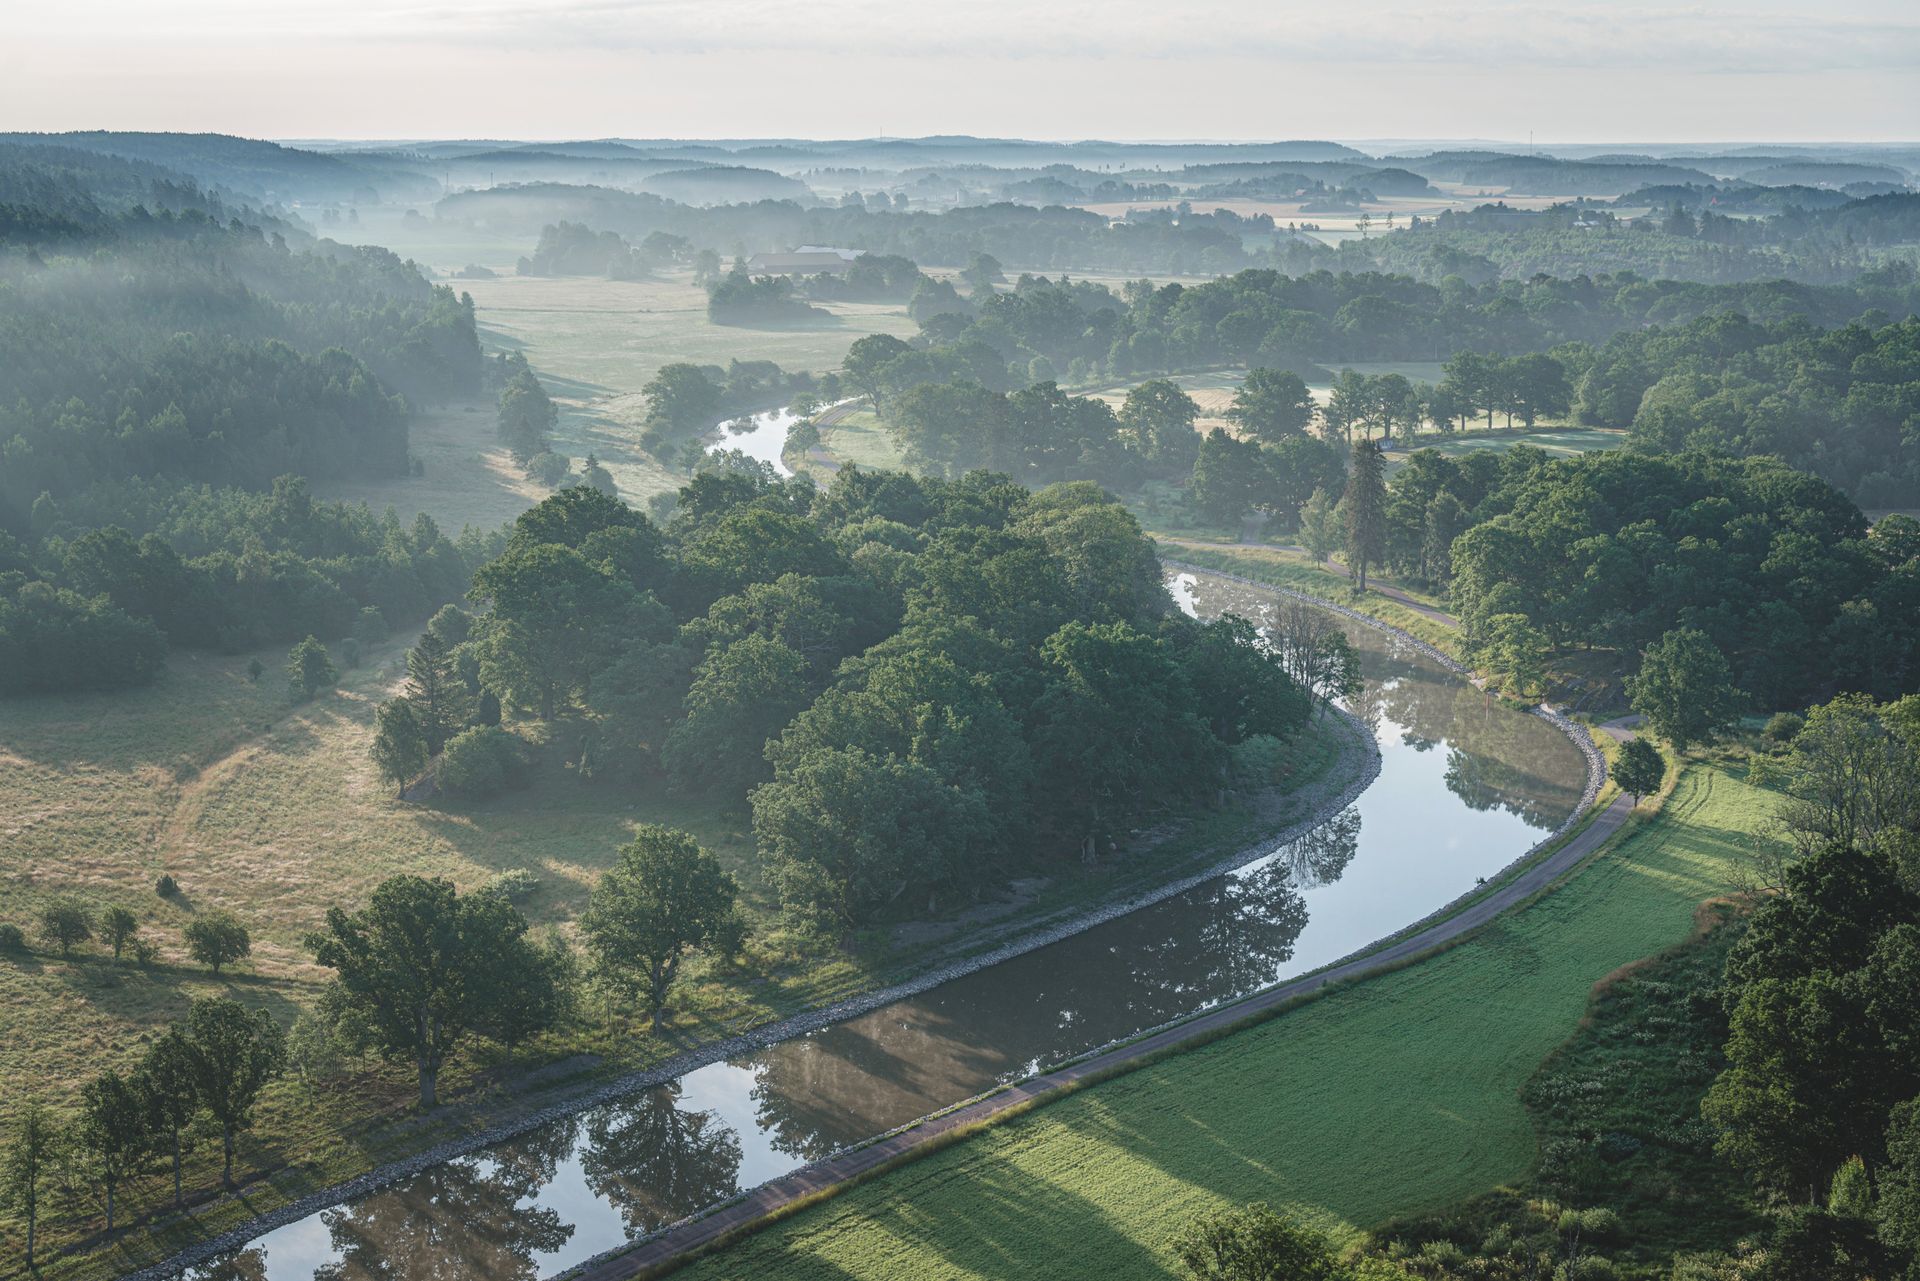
x=458 y=1220
x=656 y=1161
x=1466 y=785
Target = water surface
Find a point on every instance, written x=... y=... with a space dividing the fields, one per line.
x=1466 y=786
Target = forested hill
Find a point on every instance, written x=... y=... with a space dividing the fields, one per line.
x=165 y=356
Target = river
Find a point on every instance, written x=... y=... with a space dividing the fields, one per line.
x=761 y=436
x=1466 y=786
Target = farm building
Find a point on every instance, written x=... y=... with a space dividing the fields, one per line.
x=807 y=260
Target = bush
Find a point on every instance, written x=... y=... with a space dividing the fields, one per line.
x=1784 y=727
x=516 y=885
x=478 y=762
x=166 y=887
x=1598 y=1226
x=548 y=468
x=217 y=939
x=11 y=939
x=66 y=924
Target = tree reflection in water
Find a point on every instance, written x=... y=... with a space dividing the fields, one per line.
x=656 y=1162
x=249 y=1264
x=1321 y=856
x=456 y=1221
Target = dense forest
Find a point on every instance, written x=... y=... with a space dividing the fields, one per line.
x=165 y=361
x=921 y=686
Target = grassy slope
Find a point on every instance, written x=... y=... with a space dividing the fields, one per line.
x=274 y=813
x=1395 y=1096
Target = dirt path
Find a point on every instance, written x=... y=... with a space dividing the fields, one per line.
x=664 y=1251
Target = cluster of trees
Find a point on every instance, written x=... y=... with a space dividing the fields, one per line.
x=918 y=684
x=527 y=417
x=214 y=938
x=1819 y=1105
x=419 y=971
x=225 y=569
x=739 y=298
x=571 y=249
x=685 y=401
x=1843 y=404
x=1774 y=568
x=445 y=714
x=213 y=1062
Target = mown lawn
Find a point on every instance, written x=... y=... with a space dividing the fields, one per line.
x=1395 y=1096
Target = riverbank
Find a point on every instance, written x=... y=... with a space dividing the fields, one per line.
x=1583 y=831
x=1395 y=1095
x=1341 y=777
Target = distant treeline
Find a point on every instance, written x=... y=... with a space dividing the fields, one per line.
x=1689 y=237
x=1296 y=322
x=1047 y=238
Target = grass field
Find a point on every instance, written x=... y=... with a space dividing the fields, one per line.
x=275 y=813
x=859 y=438
x=1394 y=1096
x=1561 y=442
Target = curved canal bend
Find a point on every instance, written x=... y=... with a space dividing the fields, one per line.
x=1466 y=786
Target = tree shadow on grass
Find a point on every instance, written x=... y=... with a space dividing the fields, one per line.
x=1009 y=1226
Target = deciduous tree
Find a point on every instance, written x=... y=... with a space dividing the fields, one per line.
x=427 y=968
x=666 y=897
x=231 y=1052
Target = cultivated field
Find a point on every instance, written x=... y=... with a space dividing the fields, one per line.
x=1398 y=1095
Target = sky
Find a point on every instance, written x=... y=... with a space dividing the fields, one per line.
x=1604 y=71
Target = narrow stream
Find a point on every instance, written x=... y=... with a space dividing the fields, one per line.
x=1466 y=786
x=762 y=436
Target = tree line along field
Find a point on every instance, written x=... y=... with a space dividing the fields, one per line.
x=1392 y=1097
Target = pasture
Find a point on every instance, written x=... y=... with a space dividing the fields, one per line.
x=1561 y=442
x=1395 y=1096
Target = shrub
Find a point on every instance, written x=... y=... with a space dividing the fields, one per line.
x=255 y=670
x=548 y=468
x=66 y=924
x=217 y=939
x=478 y=762
x=516 y=885
x=144 y=953
x=11 y=939
x=1784 y=727
x=166 y=887
x=1598 y=1226
x=729 y=936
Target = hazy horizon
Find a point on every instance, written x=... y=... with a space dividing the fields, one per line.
x=1221 y=70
